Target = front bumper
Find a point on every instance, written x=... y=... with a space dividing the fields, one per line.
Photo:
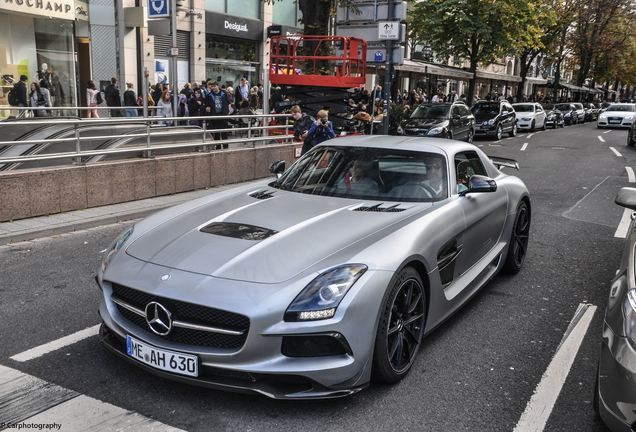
x=616 y=378
x=606 y=123
x=259 y=365
x=521 y=124
x=486 y=130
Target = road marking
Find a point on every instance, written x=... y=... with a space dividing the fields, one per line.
x=623 y=225
x=481 y=145
x=601 y=139
x=39 y=351
x=494 y=145
x=564 y=214
x=26 y=400
x=615 y=152
x=607 y=131
x=559 y=148
x=530 y=135
x=524 y=146
x=630 y=175
x=542 y=402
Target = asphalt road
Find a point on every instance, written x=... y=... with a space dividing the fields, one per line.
x=475 y=373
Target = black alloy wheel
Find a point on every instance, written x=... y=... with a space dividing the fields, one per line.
x=518 y=247
x=400 y=328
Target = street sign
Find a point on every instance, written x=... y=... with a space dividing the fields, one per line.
x=378 y=57
x=172 y=52
x=389 y=30
x=159 y=8
x=368 y=32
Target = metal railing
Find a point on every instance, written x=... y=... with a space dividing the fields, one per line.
x=200 y=135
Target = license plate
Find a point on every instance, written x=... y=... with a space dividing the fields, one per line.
x=615 y=121
x=183 y=364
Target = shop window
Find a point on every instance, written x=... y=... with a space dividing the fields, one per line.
x=215 y=5
x=230 y=49
x=287 y=12
x=245 y=8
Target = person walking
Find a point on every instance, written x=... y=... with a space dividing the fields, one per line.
x=196 y=106
x=165 y=107
x=130 y=100
x=187 y=91
x=217 y=105
x=302 y=124
x=113 y=98
x=18 y=96
x=92 y=94
x=242 y=92
x=39 y=97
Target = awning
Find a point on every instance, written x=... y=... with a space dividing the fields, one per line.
x=497 y=77
x=433 y=69
x=536 y=80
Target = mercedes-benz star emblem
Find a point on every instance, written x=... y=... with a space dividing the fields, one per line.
x=158 y=318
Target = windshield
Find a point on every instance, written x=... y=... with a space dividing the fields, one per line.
x=563 y=107
x=548 y=107
x=368 y=173
x=486 y=110
x=431 y=112
x=524 y=108
x=625 y=108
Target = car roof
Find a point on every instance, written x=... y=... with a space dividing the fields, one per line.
x=419 y=144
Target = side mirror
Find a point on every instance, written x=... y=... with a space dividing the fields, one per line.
x=626 y=197
x=277 y=168
x=479 y=183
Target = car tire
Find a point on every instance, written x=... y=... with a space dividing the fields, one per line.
x=544 y=127
x=499 y=133
x=630 y=138
x=390 y=361
x=470 y=137
x=519 y=237
x=532 y=126
x=596 y=406
x=513 y=131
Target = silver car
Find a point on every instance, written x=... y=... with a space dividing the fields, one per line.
x=617 y=115
x=318 y=282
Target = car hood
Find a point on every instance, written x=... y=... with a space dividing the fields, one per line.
x=526 y=114
x=619 y=113
x=483 y=117
x=426 y=123
x=264 y=240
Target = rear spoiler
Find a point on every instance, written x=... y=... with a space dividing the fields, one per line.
x=504 y=162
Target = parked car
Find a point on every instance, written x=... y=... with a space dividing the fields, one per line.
x=454 y=121
x=224 y=291
x=569 y=113
x=554 y=117
x=631 y=135
x=603 y=107
x=580 y=111
x=494 y=118
x=591 y=112
x=530 y=115
x=617 y=115
x=615 y=389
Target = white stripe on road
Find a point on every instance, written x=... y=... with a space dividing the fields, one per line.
x=630 y=175
x=615 y=152
x=27 y=400
x=607 y=131
x=545 y=395
x=623 y=225
x=601 y=139
x=530 y=135
x=39 y=351
x=524 y=146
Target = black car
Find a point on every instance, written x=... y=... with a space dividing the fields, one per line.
x=569 y=113
x=631 y=135
x=494 y=118
x=554 y=118
x=442 y=120
x=591 y=112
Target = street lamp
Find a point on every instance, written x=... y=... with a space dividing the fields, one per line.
x=427 y=51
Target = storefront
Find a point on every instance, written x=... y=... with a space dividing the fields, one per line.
x=37 y=39
x=233 y=47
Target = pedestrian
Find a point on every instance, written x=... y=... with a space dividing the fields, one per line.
x=18 y=94
x=187 y=91
x=157 y=92
x=217 y=105
x=302 y=125
x=322 y=129
x=165 y=107
x=182 y=107
x=92 y=94
x=113 y=98
x=229 y=92
x=255 y=101
x=242 y=92
x=130 y=100
x=39 y=97
x=196 y=105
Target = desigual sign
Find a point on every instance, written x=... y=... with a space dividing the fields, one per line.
x=236 y=26
x=232 y=26
x=63 y=9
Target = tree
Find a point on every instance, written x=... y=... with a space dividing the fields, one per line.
x=476 y=30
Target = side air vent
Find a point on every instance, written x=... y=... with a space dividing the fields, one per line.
x=378 y=208
x=262 y=194
x=238 y=230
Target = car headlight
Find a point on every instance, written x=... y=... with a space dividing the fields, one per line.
x=115 y=247
x=629 y=117
x=550 y=117
x=321 y=297
x=436 y=131
x=603 y=116
x=629 y=312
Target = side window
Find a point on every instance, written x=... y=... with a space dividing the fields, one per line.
x=539 y=109
x=455 y=112
x=467 y=164
x=464 y=110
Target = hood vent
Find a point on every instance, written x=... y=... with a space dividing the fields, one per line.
x=262 y=194
x=378 y=208
x=238 y=230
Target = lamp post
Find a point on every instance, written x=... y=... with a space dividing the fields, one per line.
x=428 y=56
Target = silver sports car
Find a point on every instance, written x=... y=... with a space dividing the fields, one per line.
x=318 y=282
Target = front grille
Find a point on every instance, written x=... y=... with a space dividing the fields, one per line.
x=182 y=311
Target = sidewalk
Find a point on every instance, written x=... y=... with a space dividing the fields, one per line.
x=44 y=226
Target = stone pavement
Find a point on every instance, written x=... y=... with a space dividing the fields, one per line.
x=44 y=226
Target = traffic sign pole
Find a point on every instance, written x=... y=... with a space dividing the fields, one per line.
x=173 y=59
x=388 y=74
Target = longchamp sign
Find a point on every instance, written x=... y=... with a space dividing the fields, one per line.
x=63 y=9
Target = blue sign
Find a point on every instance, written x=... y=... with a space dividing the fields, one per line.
x=378 y=56
x=158 y=8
